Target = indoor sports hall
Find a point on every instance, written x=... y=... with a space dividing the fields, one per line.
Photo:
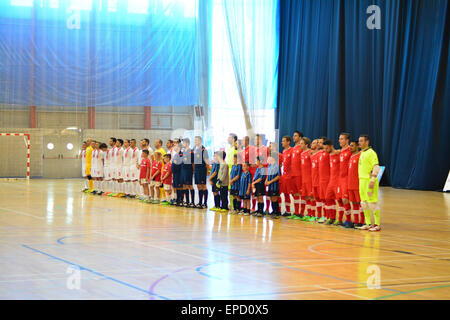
x=210 y=149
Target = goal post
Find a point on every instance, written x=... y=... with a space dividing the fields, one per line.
x=28 y=144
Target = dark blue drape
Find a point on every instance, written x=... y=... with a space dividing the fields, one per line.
x=394 y=83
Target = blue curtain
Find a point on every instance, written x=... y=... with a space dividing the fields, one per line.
x=99 y=53
x=337 y=75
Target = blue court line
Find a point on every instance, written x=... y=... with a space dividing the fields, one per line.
x=271 y=263
x=60 y=239
x=94 y=272
x=132 y=261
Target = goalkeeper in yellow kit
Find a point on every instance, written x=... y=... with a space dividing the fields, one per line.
x=89 y=150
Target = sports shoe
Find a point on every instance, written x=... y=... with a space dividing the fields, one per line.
x=214 y=209
x=285 y=214
x=364 y=227
x=310 y=219
x=337 y=223
x=329 y=221
x=155 y=201
x=322 y=220
x=275 y=215
x=246 y=214
x=291 y=216
x=146 y=201
x=258 y=214
x=253 y=212
x=297 y=217
x=357 y=225
x=375 y=228
x=348 y=225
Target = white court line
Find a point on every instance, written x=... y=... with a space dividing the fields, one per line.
x=152 y=246
x=342 y=292
x=22 y=213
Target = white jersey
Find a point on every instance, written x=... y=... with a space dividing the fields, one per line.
x=113 y=156
x=127 y=157
x=108 y=158
x=83 y=163
x=100 y=158
x=94 y=163
x=118 y=157
x=134 y=157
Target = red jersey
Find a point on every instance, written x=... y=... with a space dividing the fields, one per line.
x=287 y=162
x=344 y=158
x=324 y=167
x=353 y=179
x=157 y=165
x=297 y=161
x=306 y=166
x=249 y=155
x=167 y=169
x=315 y=169
x=145 y=165
x=334 y=169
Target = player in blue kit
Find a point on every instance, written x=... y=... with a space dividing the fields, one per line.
x=273 y=185
x=177 y=162
x=201 y=162
x=187 y=173
x=235 y=176
x=213 y=180
x=258 y=184
x=245 y=187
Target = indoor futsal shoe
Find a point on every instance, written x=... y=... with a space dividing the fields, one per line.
x=375 y=228
x=364 y=227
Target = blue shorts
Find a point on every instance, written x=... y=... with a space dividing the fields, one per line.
x=200 y=175
x=234 y=192
x=176 y=177
x=186 y=176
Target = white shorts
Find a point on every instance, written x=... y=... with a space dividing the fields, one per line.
x=100 y=172
x=106 y=173
x=134 y=173
x=126 y=172
x=118 y=174
x=94 y=172
x=156 y=184
x=167 y=187
x=83 y=171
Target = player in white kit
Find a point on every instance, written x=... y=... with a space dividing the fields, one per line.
x=107 y=183
x=134 y=171
x=83 y=166
x=118 y=157
x=126 y=166
x=100 y=167
x=112 y=168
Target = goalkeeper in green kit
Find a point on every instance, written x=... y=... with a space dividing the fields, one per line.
x=368 y=170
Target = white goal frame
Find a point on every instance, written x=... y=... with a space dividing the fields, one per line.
x=27 y=135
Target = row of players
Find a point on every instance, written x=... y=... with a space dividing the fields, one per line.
x=314 y=175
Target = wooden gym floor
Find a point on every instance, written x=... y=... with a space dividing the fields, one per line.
x=128 y=250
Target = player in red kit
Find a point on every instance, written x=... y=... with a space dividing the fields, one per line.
x=331 y=195
x=297 y=175
x=353 y=185
x=324 y=176
x=286 y=188
x=344 y=158
x=316 y=201
x=307 y=190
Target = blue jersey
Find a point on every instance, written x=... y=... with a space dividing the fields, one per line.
x=215 y=168
x=246 y=180
x=200 y=156
x=236 y=170
x=273 y=171
x=260 y=174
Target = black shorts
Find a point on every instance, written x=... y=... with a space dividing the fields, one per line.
x=260 y=190
x=244 y=196
x=273 y=193
x=234 y=192
x=214 y=187
x=200 y=175
x=176 y=180
x=186 y=176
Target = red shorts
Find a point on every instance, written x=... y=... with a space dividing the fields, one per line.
x=307 y=190
x=353 y=196
x=331 y=192
x=342 y=189
x=323 y=190
x=297 y=184
x=316 y=193
x=286 y=185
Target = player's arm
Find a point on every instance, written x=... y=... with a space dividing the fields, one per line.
x=248 y=188
x=374 y=175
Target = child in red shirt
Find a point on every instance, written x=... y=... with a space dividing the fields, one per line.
x=166 y=178
x=155 y=177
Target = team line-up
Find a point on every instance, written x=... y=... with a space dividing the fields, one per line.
x=311 y=181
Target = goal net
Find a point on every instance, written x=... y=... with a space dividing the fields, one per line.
x=15 y=155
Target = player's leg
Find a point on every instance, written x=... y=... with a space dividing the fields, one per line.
x=363 y=194
x=375 y=208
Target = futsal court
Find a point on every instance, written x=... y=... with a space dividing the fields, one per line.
x=125 y=249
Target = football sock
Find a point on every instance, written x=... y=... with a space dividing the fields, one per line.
x=91 y=185
x=260 y=207
x=275 y=207
x=232 y=202
x=205 y=197
x=254 y=204
x=319 y=205
x=217 y=201
x=367 y=216
x=192 y=195
x=297 y=205
x=268 y=204
x=302 y=207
